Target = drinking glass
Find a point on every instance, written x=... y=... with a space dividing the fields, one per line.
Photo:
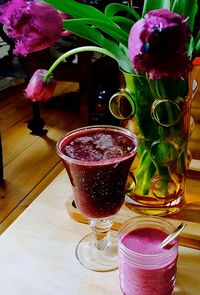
x=144 y=267
x=97 y=160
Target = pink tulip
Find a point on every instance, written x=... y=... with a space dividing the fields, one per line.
x=64 y=16
x=157 y=45
x=40 y=88
x=33 y=25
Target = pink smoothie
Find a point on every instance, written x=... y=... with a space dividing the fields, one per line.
x=149 y=269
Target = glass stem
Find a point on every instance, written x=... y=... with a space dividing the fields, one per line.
x=101 y=229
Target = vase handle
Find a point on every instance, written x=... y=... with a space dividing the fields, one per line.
x=121 y=105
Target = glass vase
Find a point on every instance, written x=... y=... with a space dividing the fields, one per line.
x=159 y=113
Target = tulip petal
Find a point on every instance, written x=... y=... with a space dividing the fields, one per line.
x=39 y=87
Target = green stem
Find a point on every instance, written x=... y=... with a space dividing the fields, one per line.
x=143 y=164
x=145 y=180
x=75 y=51
x=164 y=96
x=157 y=89
x=134 y=87
x=162 y=89
x=153 y=89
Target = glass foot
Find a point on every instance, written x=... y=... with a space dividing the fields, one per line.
x=96 y=259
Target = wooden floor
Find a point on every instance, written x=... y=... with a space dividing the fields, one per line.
x=30 y=161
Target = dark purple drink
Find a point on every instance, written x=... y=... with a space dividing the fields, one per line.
x=97 y=159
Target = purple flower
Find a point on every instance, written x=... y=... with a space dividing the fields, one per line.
x=157 y=45
x=33 y=25
x=39 y=87
x=65 y=16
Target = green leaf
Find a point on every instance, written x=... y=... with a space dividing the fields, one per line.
x=123 y=22
x=95 y=36
x=188 y=8
x=197 y=47
x=196 y=51
x=191 y=46
x=115 y=8
x=111 y=29
x=155 y=4
x=85 y=14
x=78 y=10
x=91 y=34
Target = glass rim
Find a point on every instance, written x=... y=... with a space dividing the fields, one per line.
x=148 y=224
x=107 y=161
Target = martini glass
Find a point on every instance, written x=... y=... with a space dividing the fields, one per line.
x=97 y=160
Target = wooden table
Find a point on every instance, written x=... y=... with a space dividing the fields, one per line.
x=37 y=253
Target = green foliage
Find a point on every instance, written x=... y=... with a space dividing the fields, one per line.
x=115 y=8
x=123 y=22
x=90 y=33
x=110 y=30
x=197 y=44
x=155 y=4
x=188 y=8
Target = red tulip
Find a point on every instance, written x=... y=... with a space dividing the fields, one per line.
x=40 y=88
x=33 y=25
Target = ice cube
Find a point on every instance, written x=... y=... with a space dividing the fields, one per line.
x=112 y=152
x=105 y=141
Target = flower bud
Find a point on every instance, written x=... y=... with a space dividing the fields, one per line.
x=39 y=87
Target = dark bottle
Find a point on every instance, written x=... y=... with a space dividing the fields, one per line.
x=100 y=109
